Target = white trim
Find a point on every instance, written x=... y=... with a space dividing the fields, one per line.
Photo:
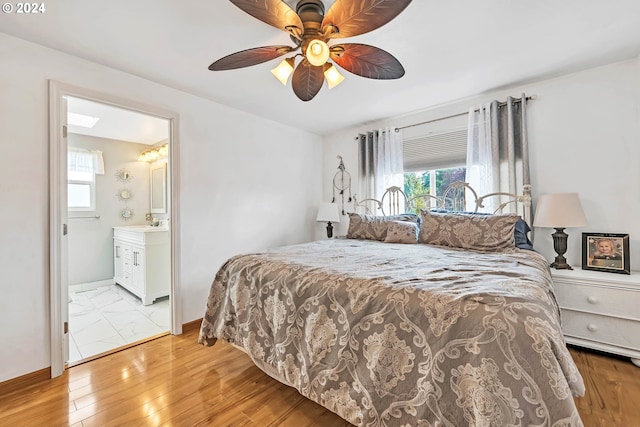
x=57 y=176
x=82 y=287
x=57 y=213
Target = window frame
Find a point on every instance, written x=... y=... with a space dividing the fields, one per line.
x=79 y=211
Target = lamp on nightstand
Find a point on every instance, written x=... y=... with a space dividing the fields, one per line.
x=559 y=211
x=328 y=213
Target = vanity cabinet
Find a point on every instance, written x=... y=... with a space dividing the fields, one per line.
x=600 y=310
x=142 y=261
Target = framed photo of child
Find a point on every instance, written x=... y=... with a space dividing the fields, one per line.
x=606 y=252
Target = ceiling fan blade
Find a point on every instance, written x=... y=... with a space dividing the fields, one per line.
x=367 y=61
x=249 y=57
x=354 y=17
x=307 y=80
x=273 y=12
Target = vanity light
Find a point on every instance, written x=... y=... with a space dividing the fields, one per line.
x=152 y=154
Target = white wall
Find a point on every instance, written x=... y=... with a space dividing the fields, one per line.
x=584 y=133
x=246 y=183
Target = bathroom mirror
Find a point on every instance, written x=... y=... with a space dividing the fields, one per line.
x=159 y=188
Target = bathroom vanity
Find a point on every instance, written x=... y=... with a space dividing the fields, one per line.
x=142 y=261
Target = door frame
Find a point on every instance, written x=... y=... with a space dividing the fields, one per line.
x=58 y=258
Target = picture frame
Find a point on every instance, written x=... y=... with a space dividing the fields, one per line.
x=608 y=252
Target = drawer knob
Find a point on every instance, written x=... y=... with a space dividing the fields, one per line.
x=591 y=327
x=592 y=299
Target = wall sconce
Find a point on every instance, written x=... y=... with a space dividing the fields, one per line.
x=154 y=153
x=328 y=212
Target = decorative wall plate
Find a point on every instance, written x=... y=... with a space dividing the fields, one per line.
x=123 y=175
x=124 y=194
x=126 y=213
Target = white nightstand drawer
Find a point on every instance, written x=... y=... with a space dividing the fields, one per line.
x=615 y=331
x=596 y=299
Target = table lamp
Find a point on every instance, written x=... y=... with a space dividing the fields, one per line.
x=559 y=211
x=328 y=212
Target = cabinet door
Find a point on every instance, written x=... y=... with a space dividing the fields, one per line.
x=137 y=270
x=119 y=260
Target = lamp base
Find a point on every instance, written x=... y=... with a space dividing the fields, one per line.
x=329 y=230
x=560 y=246
x=560 y=263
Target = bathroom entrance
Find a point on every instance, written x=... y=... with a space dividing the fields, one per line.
x=112 y=226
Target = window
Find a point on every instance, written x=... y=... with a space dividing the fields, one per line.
x=434 y=157
x=82 y=167
x=432 y=182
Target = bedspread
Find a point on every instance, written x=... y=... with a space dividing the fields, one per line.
x=402 y=335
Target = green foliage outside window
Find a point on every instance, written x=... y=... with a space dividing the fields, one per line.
x=417 y=183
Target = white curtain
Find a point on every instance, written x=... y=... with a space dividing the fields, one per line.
x=84 y=164
x=380 y=164
x=497 y=150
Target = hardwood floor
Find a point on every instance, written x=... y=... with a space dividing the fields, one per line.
x=173 y=381
x=612 y=398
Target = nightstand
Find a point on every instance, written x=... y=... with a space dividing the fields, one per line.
x=600 y=310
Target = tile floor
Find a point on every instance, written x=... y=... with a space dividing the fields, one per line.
x=108 y=317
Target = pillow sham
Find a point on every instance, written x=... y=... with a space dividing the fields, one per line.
x=468 y=231
x=521 y=238
x=371 y=227
x=402 y=232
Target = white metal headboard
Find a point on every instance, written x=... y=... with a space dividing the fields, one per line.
x=458 y=196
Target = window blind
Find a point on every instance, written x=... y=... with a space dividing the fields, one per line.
x=435 y=150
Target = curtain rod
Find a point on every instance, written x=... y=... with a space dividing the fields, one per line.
x=500 y=104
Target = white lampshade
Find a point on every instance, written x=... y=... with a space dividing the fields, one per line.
x=284 y=70
x=559 y=210
x=333 y=76
x=328 y=212
x=317 y=52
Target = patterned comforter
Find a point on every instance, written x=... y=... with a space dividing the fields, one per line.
x=402 y=335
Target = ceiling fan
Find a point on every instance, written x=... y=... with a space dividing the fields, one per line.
x=311 y=30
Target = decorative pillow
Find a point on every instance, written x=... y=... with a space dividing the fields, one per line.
x=402 y=232
x=372 y=227
x=468 y=231
x=519 y=233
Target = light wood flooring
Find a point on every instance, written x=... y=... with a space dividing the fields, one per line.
x=173 y=381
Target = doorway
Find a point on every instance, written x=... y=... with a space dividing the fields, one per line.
x=113 y=247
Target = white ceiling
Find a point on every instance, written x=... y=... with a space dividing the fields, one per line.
x=449 y=49
x=118 y=123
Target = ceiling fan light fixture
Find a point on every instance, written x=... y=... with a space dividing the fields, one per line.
x=333 y=76
x=283 y=70
x=310 y=29
x=317 y=52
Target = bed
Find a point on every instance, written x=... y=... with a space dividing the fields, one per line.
x=384 y=333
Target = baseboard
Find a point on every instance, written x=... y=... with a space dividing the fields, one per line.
x=24 y=381
x=189 y=326
x=82 y=287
